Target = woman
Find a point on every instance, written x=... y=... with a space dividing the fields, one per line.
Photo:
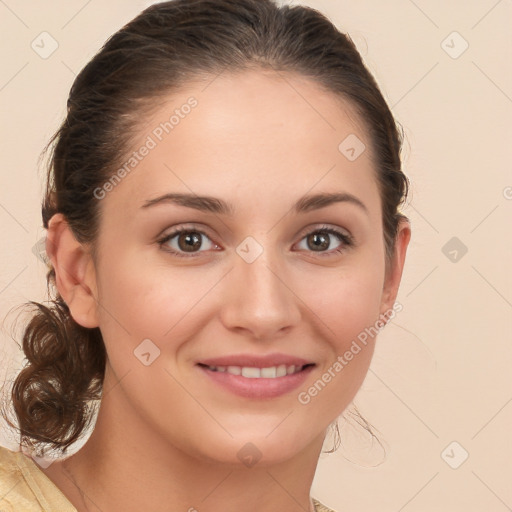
x=225 y=242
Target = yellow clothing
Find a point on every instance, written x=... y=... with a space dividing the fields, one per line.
x=25 y=488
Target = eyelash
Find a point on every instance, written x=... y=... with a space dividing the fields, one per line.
x=347 y=241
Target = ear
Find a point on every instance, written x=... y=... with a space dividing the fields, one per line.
x=395 y=266
x=75 y=275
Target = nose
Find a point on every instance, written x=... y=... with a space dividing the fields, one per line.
x=259 y=299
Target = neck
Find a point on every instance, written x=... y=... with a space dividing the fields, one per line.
x=126 y=466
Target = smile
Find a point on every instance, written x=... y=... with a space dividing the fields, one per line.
x=254 y=376
x=251 y=372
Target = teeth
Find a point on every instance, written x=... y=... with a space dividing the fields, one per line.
x=269 y=373
x=234 y=370
x=281 y=370
x=251 y=372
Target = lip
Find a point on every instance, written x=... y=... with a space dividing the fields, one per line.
x=255 y=361
x=259 y=388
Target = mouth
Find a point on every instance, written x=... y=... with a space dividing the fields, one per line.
x=255 y=376
x=254 y=372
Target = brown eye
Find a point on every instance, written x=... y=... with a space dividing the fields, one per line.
x=325 y=240
x=318 y=241
x=187 y=241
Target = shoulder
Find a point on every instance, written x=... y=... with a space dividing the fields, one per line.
x=23 y=486
x=14 y=494
x=321 y=508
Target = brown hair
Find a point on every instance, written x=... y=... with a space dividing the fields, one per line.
x=163 y=48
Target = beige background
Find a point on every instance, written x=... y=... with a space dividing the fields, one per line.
x=441 y=372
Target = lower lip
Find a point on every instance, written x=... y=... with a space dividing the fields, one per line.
x=258 y=388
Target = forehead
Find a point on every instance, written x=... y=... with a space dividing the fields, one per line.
x=246 y=135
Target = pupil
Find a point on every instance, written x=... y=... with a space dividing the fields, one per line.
x=320 y=241
x=191 y=242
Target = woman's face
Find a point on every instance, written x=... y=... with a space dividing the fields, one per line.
x=244 y=328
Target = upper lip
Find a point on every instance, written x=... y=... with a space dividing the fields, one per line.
x=256 y=361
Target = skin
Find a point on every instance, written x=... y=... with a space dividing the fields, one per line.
x=166 y=437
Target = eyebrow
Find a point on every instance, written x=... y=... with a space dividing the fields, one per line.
x=214 y=205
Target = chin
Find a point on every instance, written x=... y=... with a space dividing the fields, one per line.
x=250 y=449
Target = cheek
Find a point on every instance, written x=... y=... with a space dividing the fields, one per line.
x=346 y=301
x=140 y=300
x=348 y=306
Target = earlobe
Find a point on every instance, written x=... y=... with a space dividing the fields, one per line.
x=75 y=276
x=396 y=266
